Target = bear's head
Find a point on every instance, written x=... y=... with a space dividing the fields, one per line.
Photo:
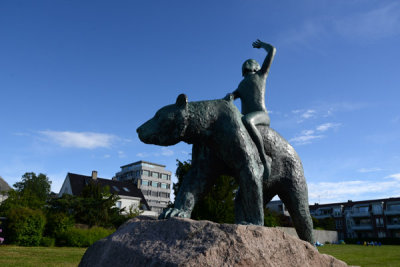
x=168 y=125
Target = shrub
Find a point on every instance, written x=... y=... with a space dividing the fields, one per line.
x=58 y=223
x=47 y=241
x=25 y=226
x=75 y=237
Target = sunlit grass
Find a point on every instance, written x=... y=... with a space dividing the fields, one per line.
x=364 y=256
x=11 y=256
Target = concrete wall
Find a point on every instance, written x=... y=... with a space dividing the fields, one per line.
x=321 y=236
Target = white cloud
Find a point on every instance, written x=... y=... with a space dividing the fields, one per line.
x=142 y=154
x=365 y=170
x=305 y=138
x=166 y=152
x=374 y=24
x=328 y=192
x=185 y=152
x=326 y=126
x=308 y=114
x=395 y=176
x=87 y=140
x=304 y=114
x=121 y=154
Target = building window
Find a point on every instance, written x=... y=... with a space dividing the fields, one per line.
x=154 y=174
x=115 y=188
x=363 y=209
x=164 y=185
x=126 y=189
x=147 y=173
x=154 y=184
x=145 y=182
x=164 y=176
x=379 y=222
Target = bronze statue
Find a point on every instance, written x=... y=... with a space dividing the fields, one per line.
x=251 y=92
x=222 y=144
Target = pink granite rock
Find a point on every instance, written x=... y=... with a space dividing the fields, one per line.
x=184 y=242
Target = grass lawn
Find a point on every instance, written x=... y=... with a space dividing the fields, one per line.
x=11 y=256
x=364 y=256
x=65 y=256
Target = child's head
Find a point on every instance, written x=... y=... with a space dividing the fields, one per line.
x=250 y=66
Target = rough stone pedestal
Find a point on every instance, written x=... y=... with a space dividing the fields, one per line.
x=184 y=242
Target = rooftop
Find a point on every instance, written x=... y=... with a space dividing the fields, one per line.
x=79 y=181
x=141 y=161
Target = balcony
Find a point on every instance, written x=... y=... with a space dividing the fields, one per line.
x=392 y=212
x=393 y=226
x=321 y=216
x=362 y=227
x=360 y=214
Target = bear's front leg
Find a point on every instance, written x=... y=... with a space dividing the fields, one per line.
x=200 y=177
x=249 y=198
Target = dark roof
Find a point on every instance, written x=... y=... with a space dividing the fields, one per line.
x=352 y=203
x=141 y=161
x=78 y=182
x=3 y=185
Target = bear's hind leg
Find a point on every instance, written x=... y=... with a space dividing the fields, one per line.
x=296 y=201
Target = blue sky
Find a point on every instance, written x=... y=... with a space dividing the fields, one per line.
x=78 y=77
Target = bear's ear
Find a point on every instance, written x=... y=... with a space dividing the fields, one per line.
x=181 y=101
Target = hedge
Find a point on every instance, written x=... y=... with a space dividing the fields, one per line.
x=75 y=237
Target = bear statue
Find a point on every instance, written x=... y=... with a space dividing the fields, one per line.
x=222 y=145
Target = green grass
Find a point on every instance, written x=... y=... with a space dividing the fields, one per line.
x=364 y=256
x=12 y=256
x=66 y=256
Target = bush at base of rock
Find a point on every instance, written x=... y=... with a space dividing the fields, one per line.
x=25 y=226
x=58 y=223
x=47 y=241
x=75 y=237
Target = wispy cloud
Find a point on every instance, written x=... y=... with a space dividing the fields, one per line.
x=142 y=155
x=86 y=140
x=341 y=191
x=395 y=176
x=305 y=137
x=121 y=154
x=378 y=23
x=166 y=152
x=304 y=114
x=326 y=126
x=366 y=170
x=381 y=22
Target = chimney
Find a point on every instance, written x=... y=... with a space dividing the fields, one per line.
x=94 y=175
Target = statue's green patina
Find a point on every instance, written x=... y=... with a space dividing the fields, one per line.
x=222 y=145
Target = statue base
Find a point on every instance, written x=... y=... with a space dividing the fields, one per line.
x=184 y=242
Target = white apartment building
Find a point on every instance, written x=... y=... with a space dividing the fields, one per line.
x=152 y=179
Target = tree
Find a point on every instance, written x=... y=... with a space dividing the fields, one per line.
x=181 y=170
x=32 y=192
x=32 y=184
x=218 y=204
x=96 y=206
x=324 y=224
